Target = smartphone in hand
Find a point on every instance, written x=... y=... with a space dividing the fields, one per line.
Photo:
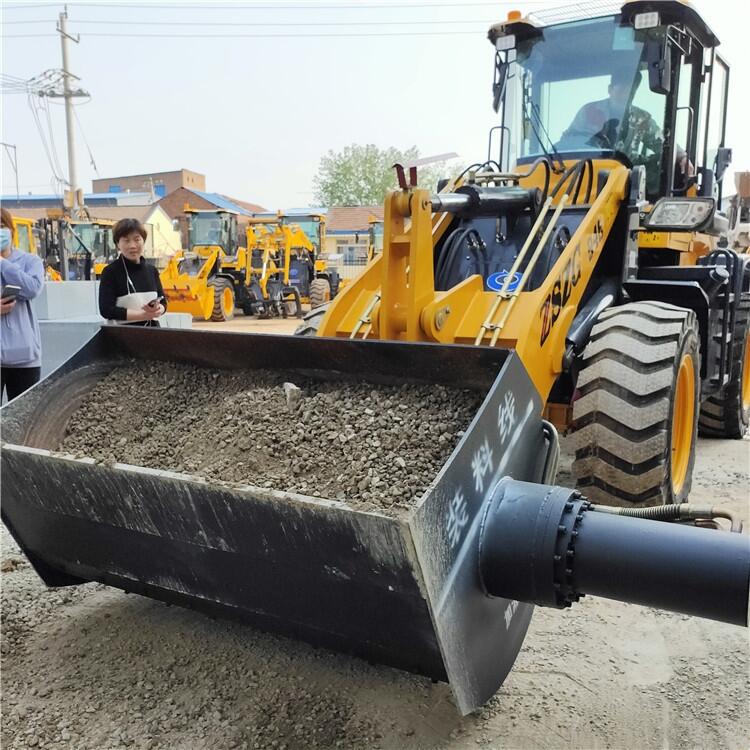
x=10 y=291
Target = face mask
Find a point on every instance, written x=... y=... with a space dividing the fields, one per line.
x=5 y=236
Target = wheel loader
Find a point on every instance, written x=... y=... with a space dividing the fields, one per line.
x=284 y=266
x=200 y=281
x=576 y=318
x=591 y=243
x=73 y=249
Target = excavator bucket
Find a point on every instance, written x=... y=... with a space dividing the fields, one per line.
x=400 y=591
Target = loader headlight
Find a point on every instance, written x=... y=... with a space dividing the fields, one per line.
x=680 y=214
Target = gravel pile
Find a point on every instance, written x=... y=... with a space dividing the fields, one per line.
x=376 y=448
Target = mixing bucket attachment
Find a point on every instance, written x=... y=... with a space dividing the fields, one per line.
x=446 y=590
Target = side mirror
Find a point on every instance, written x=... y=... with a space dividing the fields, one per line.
x=723 y=160
x=659 y=65
x=176 y=225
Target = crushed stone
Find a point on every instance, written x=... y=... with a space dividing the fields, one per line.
x=373 y=447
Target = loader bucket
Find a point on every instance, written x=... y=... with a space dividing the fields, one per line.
x=193 y=296
x=402 y=591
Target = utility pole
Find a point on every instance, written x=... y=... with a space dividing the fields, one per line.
x=68 y=94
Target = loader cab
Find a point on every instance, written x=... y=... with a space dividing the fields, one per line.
x=313 y=225
x=644 y=86
x=209 y=229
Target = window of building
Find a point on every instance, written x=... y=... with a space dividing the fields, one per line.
x=115 y=188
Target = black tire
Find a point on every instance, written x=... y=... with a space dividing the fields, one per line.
x=222 y=311
x=727 y=415
x=311 y=321
x=320 y=292
x=623 y=416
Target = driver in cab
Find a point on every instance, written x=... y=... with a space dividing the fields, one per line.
x=616 y=123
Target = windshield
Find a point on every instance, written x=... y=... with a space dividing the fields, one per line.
x=90 y=238
x=207 y=230
x=583 y=87
x=23 y=237
x=310 y=226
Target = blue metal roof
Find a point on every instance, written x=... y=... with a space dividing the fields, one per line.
x=221 y=202
x=100 y=199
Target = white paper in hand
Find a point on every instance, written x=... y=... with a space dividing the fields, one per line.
x=136 y=300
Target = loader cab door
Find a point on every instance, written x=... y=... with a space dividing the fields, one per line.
x=699 y=124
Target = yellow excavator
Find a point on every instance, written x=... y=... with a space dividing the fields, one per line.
x=591 y=240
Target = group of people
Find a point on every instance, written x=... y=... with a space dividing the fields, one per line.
x=121 y=292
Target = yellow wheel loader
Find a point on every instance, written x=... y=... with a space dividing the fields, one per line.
x=199 y=281
x=591 y=241
x=590 y=282
x=374 y=237
x=285 y=267
x=75 y=249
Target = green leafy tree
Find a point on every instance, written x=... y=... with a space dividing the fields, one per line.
x=362 y=175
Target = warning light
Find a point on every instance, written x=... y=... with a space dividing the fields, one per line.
x=515 y=15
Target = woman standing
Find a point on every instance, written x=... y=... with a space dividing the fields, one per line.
x=22 y=278
x=130 y=274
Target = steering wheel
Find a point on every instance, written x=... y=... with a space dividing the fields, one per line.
x=607 y=136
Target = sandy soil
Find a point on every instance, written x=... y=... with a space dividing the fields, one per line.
x=90 y=667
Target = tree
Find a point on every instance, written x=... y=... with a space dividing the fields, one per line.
x=362 y=175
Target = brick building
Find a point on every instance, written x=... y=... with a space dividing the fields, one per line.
x=158 y=183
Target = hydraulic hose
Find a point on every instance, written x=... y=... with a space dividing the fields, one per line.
x=678 y=512
x=545 y=545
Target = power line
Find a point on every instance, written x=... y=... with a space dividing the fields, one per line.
x=86 y=142
x=257 y=36
x=284 y=23
x=304 y=6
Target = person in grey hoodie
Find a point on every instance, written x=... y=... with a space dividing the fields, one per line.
x=20 y=343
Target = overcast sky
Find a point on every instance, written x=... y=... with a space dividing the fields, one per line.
x=255 y=92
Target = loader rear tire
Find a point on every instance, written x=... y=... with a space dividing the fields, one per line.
x=727 y=415
x=311 y=321
x=223 y=300
x=636 y=416
x=320 y=292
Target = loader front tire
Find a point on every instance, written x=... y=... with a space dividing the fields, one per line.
x=223 y=300
x=636 y=416
x=320 y=292
x=311 y=321
x=727 y=415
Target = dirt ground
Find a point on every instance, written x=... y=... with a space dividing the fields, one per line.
x=92 y=668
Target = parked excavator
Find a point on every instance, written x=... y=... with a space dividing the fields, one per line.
x=577 y=277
